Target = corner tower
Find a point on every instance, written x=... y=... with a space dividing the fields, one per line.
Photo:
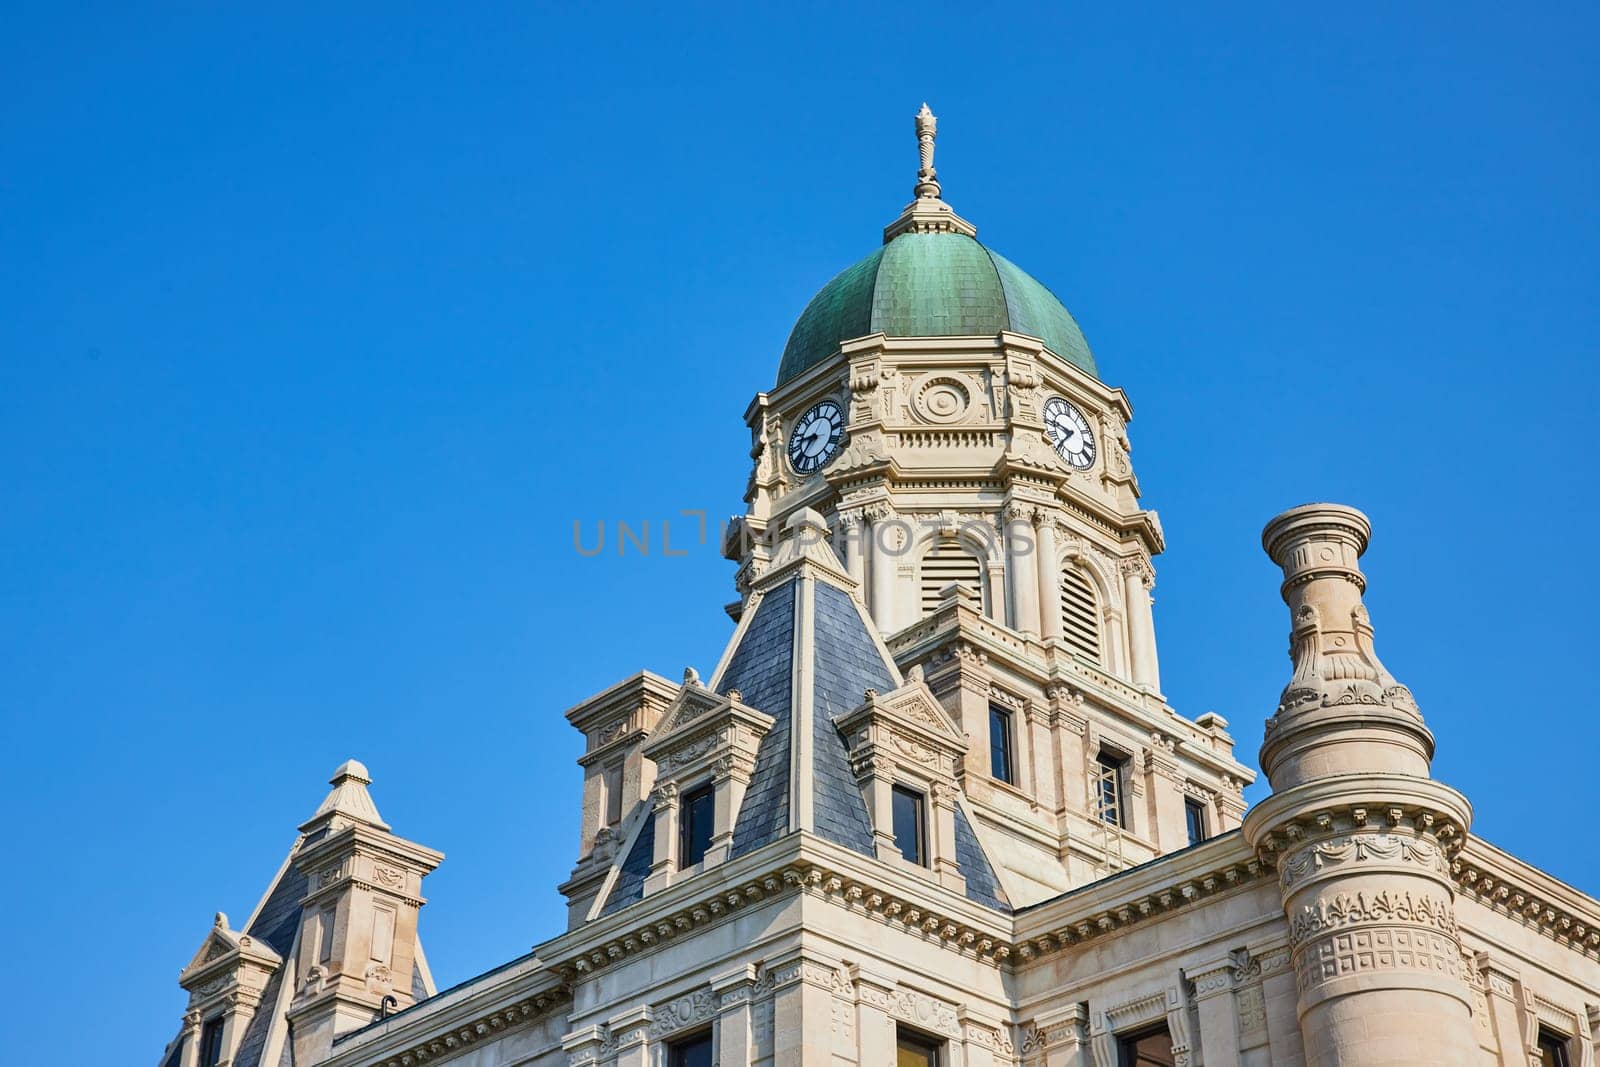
x=941 y=409
x=1361 y=836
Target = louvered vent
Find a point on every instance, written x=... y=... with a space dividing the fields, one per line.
x=947 y=563
x=1080 y=616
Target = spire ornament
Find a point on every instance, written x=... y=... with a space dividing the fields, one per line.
x=927 y=212
x=927 y=186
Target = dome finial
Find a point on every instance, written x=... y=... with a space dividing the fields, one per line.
x=927 y=187
x=927 y=212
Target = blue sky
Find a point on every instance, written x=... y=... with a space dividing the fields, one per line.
x=319 y=329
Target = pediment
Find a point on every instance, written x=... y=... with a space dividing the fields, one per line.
x=223 y=949
x=912 y=707
x=696 y=714
x=219 y=942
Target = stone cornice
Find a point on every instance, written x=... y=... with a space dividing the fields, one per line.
x=531 y=988
x=454 y=1020
x=1509 y=887
x=1151 y=891
x=797 y=863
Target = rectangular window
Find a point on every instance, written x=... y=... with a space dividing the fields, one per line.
x=1001 y=764
x=211 y=1043
x=1553 y=1049
x=914 y=1050
x=1194 y=813
x=612 y=784
x=1147 y=1048
x=695 y=812
x=910 y=825
x=1108 y=790
x=690 y=1052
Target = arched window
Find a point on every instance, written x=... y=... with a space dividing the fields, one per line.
x=949 y=561
x=1080 y=613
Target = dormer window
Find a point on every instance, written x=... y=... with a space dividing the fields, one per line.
x=211 y=1043
x=696 y=819
x=911 y=825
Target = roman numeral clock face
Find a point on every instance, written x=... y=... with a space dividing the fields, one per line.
x=1069 y=433
x=816 y=437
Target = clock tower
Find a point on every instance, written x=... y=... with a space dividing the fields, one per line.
x=942 y=410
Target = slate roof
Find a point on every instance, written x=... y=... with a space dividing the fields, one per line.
x=846 y=662
x=762 y=670
x=629 y=886
x=983 y=887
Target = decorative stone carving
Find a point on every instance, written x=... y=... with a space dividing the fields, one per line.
x=1343 y=910
x=919 y=1009
x=1360 y=848
x=683 y=1012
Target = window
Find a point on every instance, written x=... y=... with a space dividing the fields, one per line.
x=1108 y=790
x=612 y=784
x=1080 y=614
x=690 y=1052
x=1147 y=1048
x=1000 y=749
x=948 y=562
x=695 y=812
x=910 y=825
x=1553 y=1049
x=211 y=1043
x=1194 y=813
x=914 y=1050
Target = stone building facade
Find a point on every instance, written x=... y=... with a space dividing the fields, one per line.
x=932 y=806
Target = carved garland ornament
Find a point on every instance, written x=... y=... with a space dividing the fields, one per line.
x=685 y=1011
x=913 y=1007
x=1358 y=848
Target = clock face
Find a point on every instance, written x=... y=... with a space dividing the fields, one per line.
x=1069 y=432
x=816 y=437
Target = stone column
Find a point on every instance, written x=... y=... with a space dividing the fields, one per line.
x=1058 y=1038
x=730 y=782
x=1360 y=835
x=735 y=1030
x=942 y=836
x=191 y=1040
x=888 y=542
x=1142 y=667
x=1505 y=1013
x=1022 y=552
x=1219 y=1013
x=802 y=1013
x=664 y=860
x=632 y=1031
x=875 y=1027
x=1049 y=571
x=852 y=539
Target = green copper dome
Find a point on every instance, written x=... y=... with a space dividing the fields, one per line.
x=931 y=285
